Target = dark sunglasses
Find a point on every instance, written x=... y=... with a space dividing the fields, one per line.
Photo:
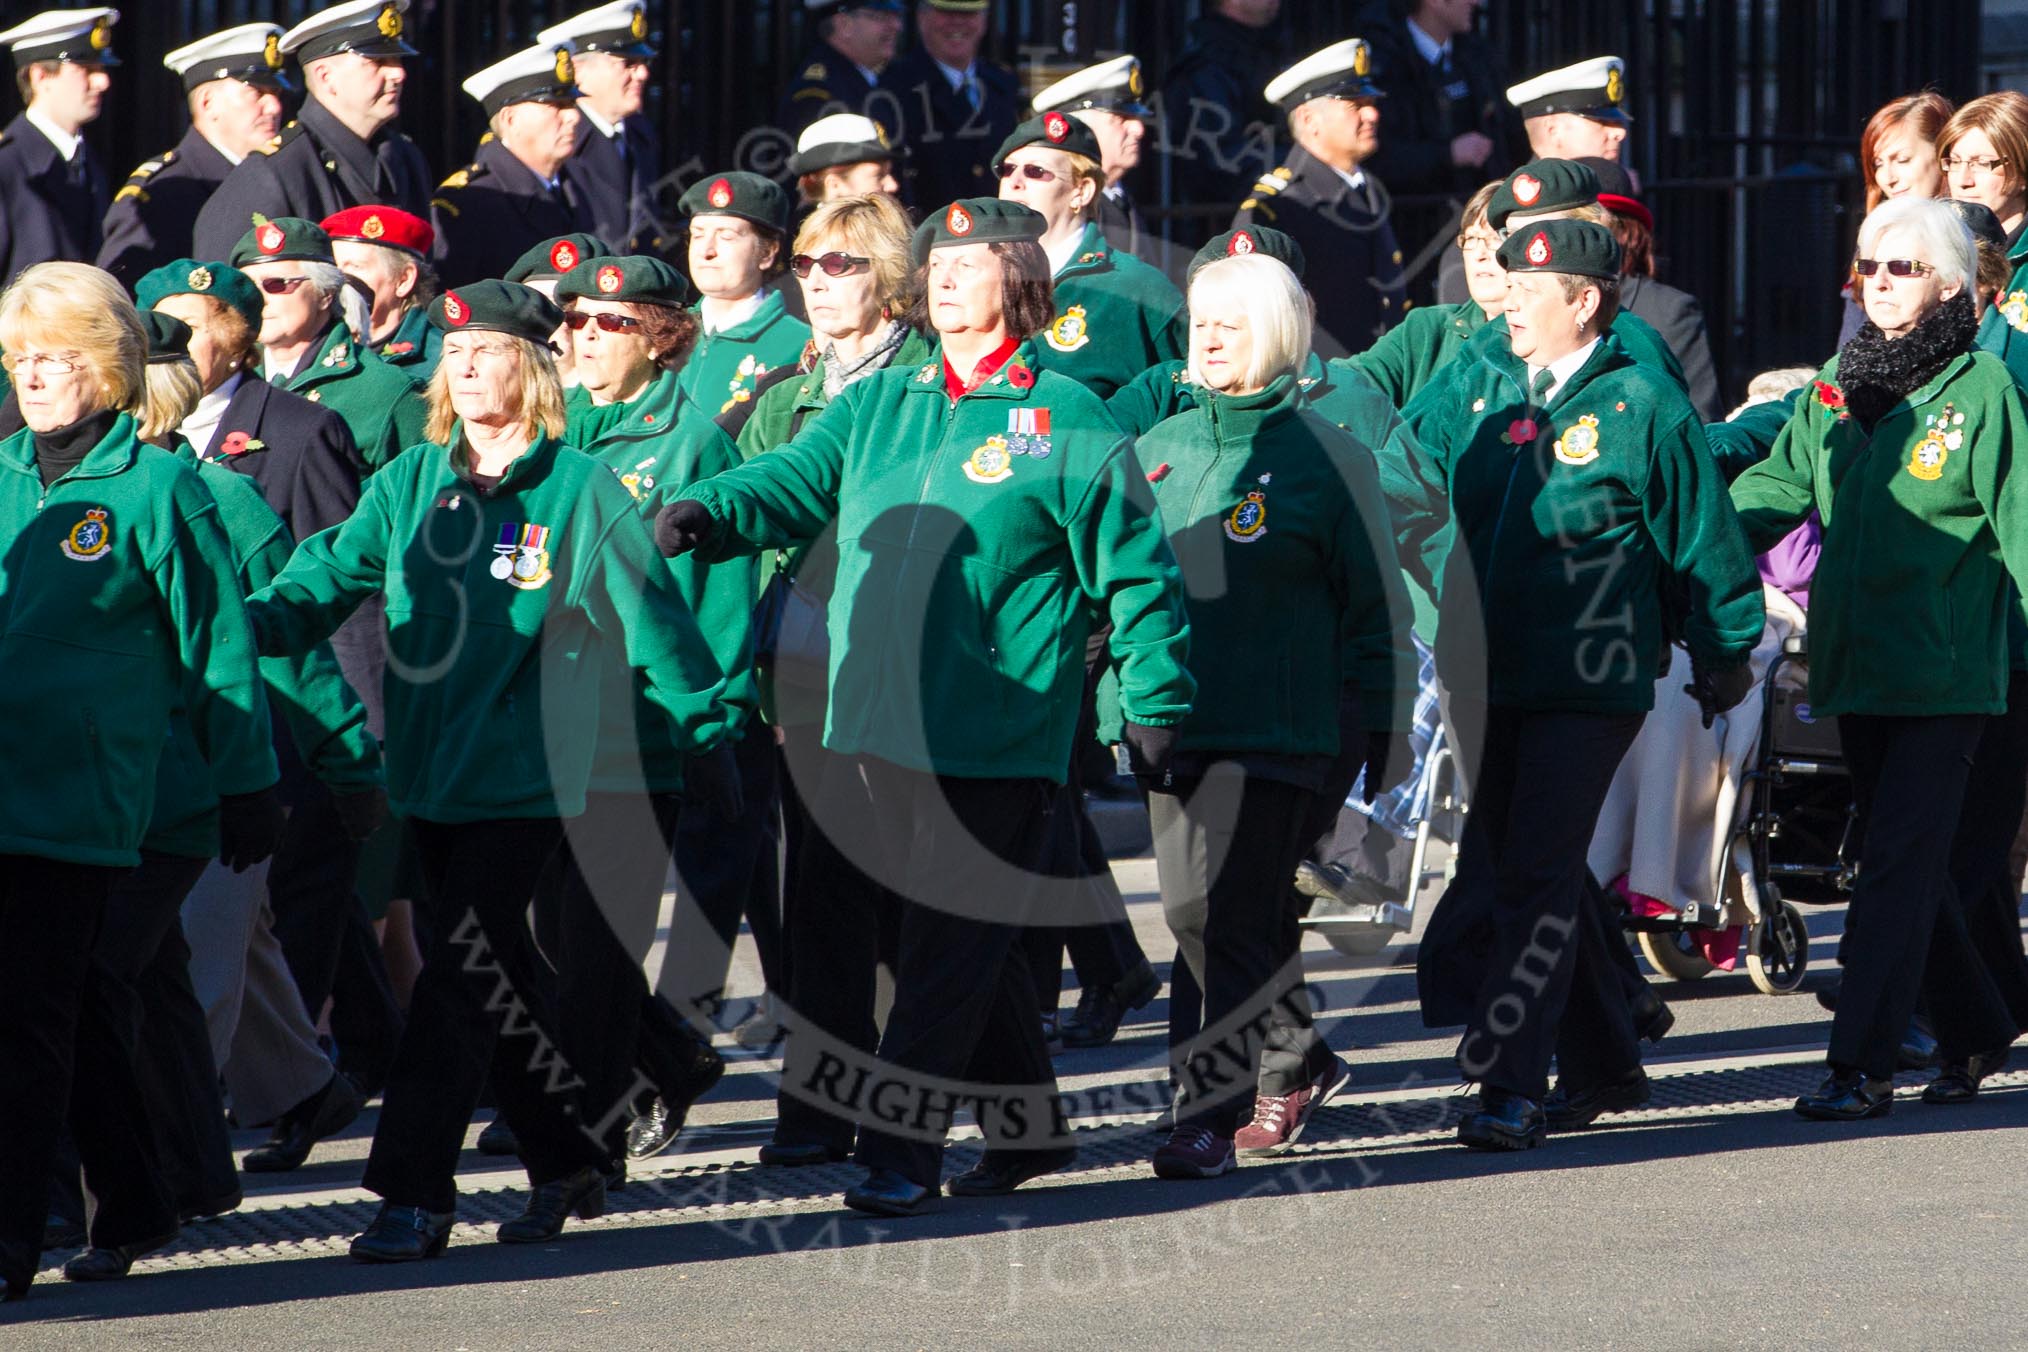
x=611 y=323
x=1029 y=171
x=1896 y=267
x=281 y=286
x=834 y=264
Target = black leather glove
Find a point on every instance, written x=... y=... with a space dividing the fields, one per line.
x=361 y=812
x=682 y=526
x=249 y=828
x=1720 y=690
x=1149 y=748
x=711 y=781
x=1389 y=758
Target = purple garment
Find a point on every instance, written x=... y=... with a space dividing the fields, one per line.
x=1793 y=561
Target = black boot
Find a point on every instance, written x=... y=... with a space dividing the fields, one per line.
x=581 y=1193
x=403 y=1234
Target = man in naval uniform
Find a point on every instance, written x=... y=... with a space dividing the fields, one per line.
x=618 y=156
x=1107 y=98
x=52 y=188
x=855 y=41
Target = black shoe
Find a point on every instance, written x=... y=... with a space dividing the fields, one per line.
x=653 y=1131
x=13 y=1290
x=581 y=1193
x=615 y=1175
x=324 y=1114
x=1652 y=1017
x=402 y=1234
x=497 y=1138
x=1847 y=1096
x=999 y=1173
x=1504 y=1121
x=1918 y=1050
x=61 y=1232
x=210 y=1208
x=1567 y=1111
x=1096 y=1020
x=800 y=1154
x=887 y=1193
x=1960 y=1080
x=106 y=1265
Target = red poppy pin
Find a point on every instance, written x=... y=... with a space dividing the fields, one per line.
x=1831 y=397
x=1520 y=432
x=397 y=349
x=1020 y=377
x=1159 y=473
x=239 y=443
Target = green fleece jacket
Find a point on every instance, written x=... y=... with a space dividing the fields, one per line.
x=1115 y=317
x=498 y=603
x=1924 y=521
x=659 y=443
x=1404 y=358
x=118 y=604
x=1589 y=534
x=726 y=367
x=1277 y=520
x=382 y=404
x=322 y=712
x=975 y=539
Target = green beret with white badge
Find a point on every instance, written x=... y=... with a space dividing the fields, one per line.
x=1541 y=187
x=639 y=278
x=978 y=220
x=1575 y=248
x=549 y=260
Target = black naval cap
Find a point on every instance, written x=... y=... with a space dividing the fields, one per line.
x=978 y=220
x=549 y=260
x=1251 y=239
x=1577 y=248
x=1542 y=186
x=168 y=337
x=283 y=240
x=1058 y=131
x=188 y=277
x=619 y=29
x=368 y=27
x=631 y=277
x=250 y=53
x=747 y=196
x=497 y=307
x=81 y=36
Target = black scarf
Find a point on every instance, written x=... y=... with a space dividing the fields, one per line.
x=59 y=452
x=1877 y=372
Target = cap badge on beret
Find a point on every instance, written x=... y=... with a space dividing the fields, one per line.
x=1538 y=249
x=565 y=72
x=1527 y=189
x=720 y=195
x=372 y=228
x=199 y=279
x=957 y=220
x=609 y=279
x=639 y=27
x=1242 y=243
x=390 y=21
x=270 y=239
x=102 y=35
x=564 y=256
x=1615 y=85
x=454 y=309
x=273 y=53
x=1056 y=127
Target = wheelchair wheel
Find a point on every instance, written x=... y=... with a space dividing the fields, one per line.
x=1360 y=943
x=1778 y=950
x=1675 y=955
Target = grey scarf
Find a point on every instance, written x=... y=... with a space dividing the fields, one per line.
x=838 y=374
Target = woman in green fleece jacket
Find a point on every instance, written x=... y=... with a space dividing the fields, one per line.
x=118 y=604
x=509 y=561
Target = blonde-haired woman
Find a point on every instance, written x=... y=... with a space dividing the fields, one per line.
x=122 y=604
x=507 y=559
x=1984 y=153
x=1115 y=315
x=1279 y=523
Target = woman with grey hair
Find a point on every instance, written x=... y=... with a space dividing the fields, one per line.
x=1902 y=446
x=312 y=319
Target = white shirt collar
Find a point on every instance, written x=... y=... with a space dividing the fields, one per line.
x=230 y=158
x=1426 y=46
x=273 y=369
x=1061 y=254
x=1562 y=369
x=954 y=75
x=729 y=314
x=66 y=143
x=609 y=130
x=872 y=75
x=1354 y=180
x=200 y=429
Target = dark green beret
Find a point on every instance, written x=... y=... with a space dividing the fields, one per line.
x=168 y=336
x=978 y=220
x=1545 y=185
x=188 y=277
x=1058 y=131
x=553 y=257
x=635 y=277
x=747 y=196
x=281 y=240
x=1576 y=248
x=1980 y=220
x=497 y=307
x=1252 y=239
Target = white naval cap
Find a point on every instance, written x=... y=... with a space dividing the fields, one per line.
x=841 y=138
x=1338 y=71
x=368 y=27
x=251 y=52
x=1113 y=86
x=1592 y=89
x=541 y=74
x=620 y=28
x=83 y=35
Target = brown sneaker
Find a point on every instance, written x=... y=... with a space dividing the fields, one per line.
x=1278 y=1119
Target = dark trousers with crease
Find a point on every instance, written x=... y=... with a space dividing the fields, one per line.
x=1996 y=796
x=479 y=1015
x=1905 y=936
x=726 y=870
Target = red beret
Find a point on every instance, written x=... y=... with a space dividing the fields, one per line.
x=382 y=225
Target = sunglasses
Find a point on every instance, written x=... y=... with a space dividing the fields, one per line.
x=611 y=323
x=1033 y=172
x=1896 y=267
x=281 y=286
x=834 y=264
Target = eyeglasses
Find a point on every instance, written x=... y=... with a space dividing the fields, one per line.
x=1486 y=242
x=1033 y=172
x=835 y=264
x=1896 y=267
x=48 y=363
x=611 y=323
x=1978 y=164
x=281 y=286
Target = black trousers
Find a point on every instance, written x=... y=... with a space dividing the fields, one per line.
x=964 y=1003
x=726 y=870
x=1226 y=847
x=1519 y=949
x=1905 y=929
x=1996 y=796
x=1102 y=947
x=57 y=1014
x=479 y=1014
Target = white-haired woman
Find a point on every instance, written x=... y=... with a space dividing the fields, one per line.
x=1903 y=447
x=1299 y=630
x=313 y=322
